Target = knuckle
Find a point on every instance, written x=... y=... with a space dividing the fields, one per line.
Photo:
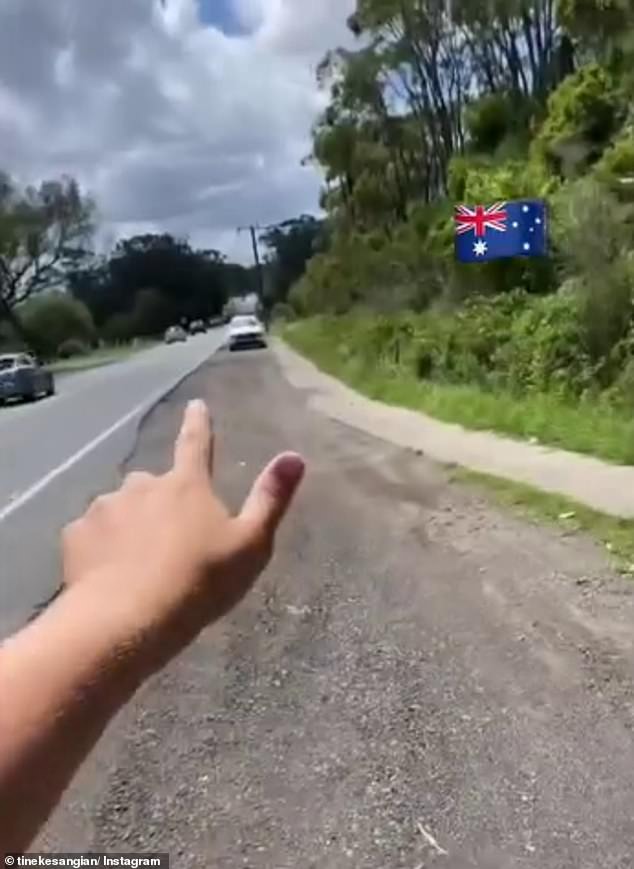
x=71 y=531
x=139 y=480
x=100 y=505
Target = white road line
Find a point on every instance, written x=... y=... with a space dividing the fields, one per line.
x=41 y=484
x=144 y=406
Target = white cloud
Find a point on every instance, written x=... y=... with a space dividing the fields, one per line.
x=171 y=124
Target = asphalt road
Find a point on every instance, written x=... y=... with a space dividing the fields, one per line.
x=418 y=680
x=56 y=454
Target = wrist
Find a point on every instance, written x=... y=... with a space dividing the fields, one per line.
x=105 y=630
x=139 y=634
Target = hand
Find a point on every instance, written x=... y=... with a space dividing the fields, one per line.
x=163 y=556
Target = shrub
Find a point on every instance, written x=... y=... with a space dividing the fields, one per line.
x=498 y=121
x=283 y=311
x=151 y=315
x=72 y=347
x=616 y=167
x=584 y=112
x=621 y=393
x=545 y=348
x=119 y=329
x=53 y=318
x=590 y=227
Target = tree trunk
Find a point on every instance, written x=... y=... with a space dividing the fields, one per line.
x=7 y=313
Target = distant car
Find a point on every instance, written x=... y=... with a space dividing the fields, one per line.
x=175 y=335
x=246 y=331
x=197 y=328
x=22 y=377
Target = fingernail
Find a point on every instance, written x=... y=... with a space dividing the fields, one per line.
x=197 y=405
x=289 y=469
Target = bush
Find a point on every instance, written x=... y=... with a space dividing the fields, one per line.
x=119 y=329
x=497 y=121
x=53 y=318
x=621 y=393
x=545 y=351
x=283 y=312
x=616 y=167
x=72 y=347
x=152 y=314
x=590 y=228
x=583 y=114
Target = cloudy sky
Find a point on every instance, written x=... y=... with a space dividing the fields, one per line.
x=189 y=116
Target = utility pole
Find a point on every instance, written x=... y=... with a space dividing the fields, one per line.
x=256 y=256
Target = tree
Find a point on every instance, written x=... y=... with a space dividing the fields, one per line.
x=598 y=24
x=53 y=318
x=152 y=313
x=192 y=284
x=291 y=245
x=43 y=232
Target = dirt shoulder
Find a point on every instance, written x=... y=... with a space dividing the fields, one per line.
x=416 y=674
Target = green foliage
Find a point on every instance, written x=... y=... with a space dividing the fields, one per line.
x=118 y=329
x=157 y=279
x=152 y=314
x=616 y=167
x=283 y=312
x=498 y=121
x=72 y=347
x=53 y=318
x=598 y=23
x=475 y=372
x=583 y=114
x=290 y=246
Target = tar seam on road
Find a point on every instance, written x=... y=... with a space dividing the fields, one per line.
x=41 y=484
x=144 y=408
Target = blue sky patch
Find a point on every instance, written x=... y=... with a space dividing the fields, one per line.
x=221 y=14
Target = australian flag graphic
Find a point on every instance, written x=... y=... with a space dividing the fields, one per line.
x=506 y=229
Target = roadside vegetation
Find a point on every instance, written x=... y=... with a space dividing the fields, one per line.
x=520 y=98
x=473 y=368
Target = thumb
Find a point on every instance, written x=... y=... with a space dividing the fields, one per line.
x=272 y=493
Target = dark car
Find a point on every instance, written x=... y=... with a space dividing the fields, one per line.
x=197 y=328
x=22 y=377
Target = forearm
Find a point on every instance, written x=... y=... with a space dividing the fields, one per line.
x=61 y=681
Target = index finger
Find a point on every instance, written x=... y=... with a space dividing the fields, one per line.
x=193 y=451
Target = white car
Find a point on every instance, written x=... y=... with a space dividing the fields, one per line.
x=175 y=335
x=246 y=331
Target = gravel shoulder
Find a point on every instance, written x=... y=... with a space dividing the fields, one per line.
x=419 y=680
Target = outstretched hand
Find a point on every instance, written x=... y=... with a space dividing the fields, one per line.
x=165 y=554
x=144 y=571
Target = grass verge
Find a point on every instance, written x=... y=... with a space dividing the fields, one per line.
x=617 y=535
x=590 y=428
x=99 y=358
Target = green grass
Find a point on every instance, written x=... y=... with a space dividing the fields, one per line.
x=591 y=428
x=99 y=358
x=617 y=535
